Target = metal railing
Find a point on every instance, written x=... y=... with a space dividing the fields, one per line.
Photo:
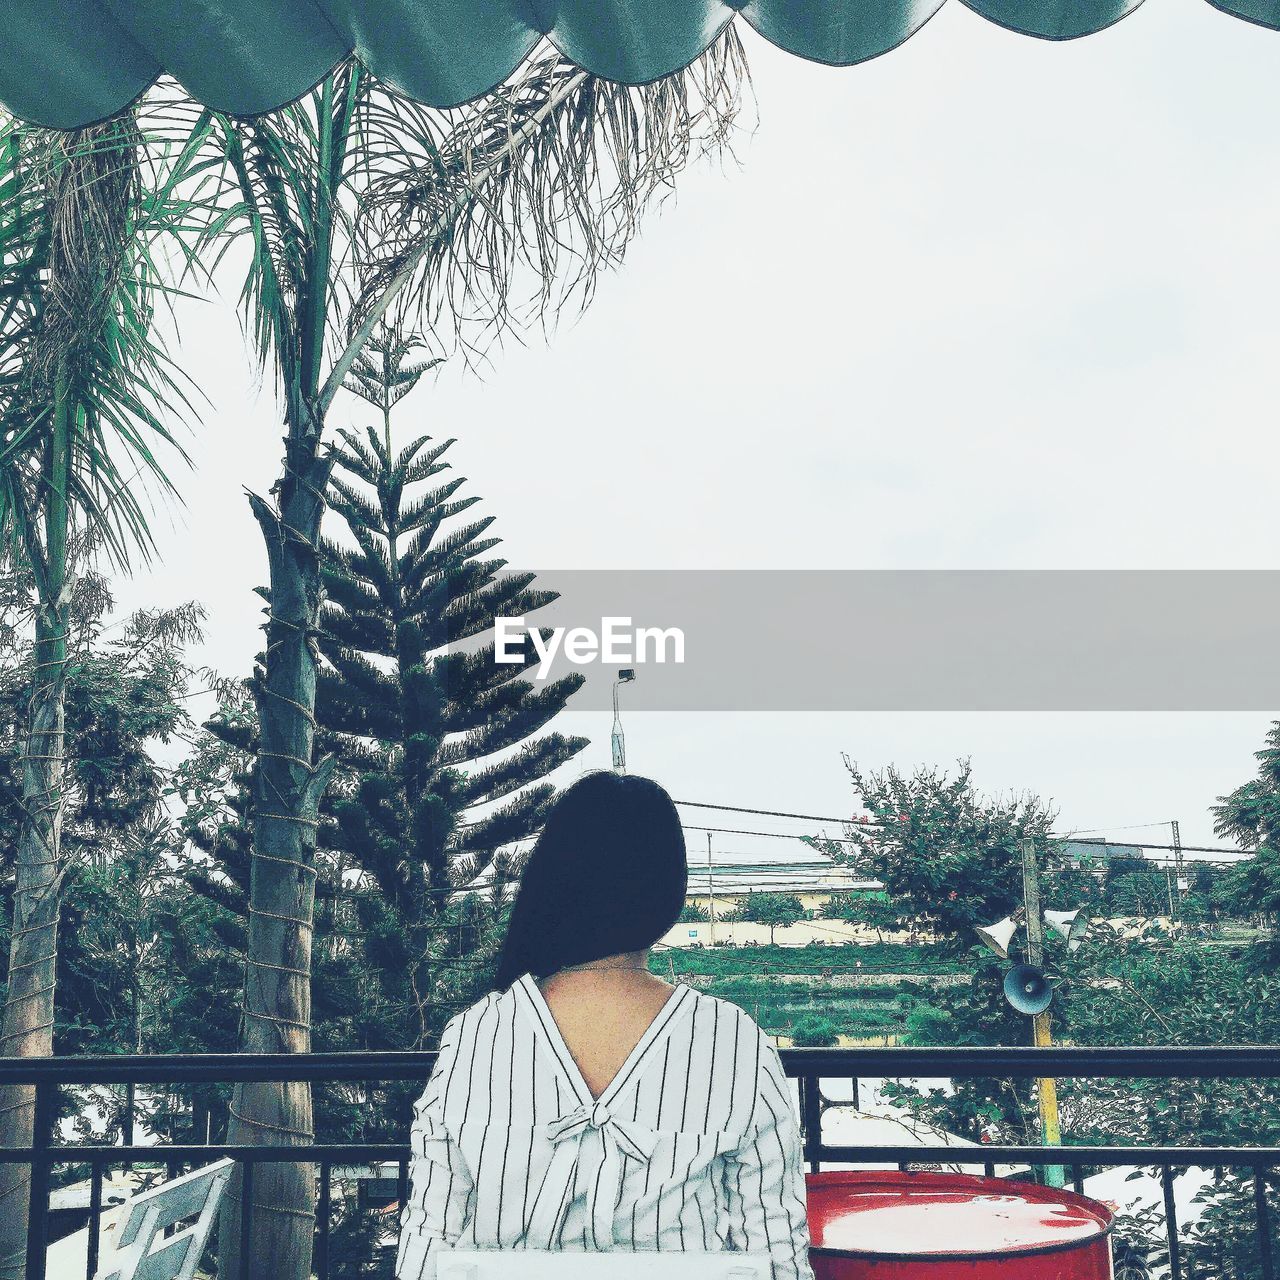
x=808 y=1066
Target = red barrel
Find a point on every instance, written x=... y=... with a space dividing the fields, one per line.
x=949 y=1226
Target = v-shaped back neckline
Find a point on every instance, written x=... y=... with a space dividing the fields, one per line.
x=544 y=1020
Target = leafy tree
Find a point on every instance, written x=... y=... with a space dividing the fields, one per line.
x=850 y=904
x=125 y=697
x=1202 y=901
x=1133 y=886
x=1157 y=991
x=1076 y=875
x=355 y=201
x=1250 y=816
x=948 y=858
x=1179 y=992
x=772 y=909
x=873 y=909
x=126 y=691
x=691 y=913
x=442 y=758
x=195 y=985
x=84 y=390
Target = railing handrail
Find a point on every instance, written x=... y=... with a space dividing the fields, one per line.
x=1171 y=1062
x=809 y=1065
x=333 y=1153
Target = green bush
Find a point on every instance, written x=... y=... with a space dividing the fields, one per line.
x=813 y=1031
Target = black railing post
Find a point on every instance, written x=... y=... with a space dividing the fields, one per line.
x=1263 y=1213
x=95 y=1220
x=322 y=1213
x=1171 y=1224
x=130 y=1105
x=811 y=1102
x=402 y=1171
x=246 y=1216
x=41 y=1162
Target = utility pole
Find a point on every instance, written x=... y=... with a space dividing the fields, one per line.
x=711 y=893
x=1178 y=870
x=1046 y=1089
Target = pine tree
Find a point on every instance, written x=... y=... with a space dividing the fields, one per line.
x=443 y=762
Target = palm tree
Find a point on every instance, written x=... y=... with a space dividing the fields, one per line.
x=360 y=206
x=85 y=388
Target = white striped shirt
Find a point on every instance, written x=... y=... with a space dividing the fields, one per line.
x=693 y=1146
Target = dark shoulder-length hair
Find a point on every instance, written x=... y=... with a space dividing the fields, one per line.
x=607 y=875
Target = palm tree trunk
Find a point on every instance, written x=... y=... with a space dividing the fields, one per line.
x=288 y=788
x=26 y=1029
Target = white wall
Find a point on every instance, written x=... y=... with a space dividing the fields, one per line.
x=801 y=934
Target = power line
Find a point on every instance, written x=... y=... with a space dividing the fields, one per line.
x=773 y=835
x=1234 y=854
x=765 y=813
x=1117 y=826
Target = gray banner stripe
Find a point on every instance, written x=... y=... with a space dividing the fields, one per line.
x=817 y=640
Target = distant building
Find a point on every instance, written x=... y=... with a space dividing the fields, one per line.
x=1096 y=850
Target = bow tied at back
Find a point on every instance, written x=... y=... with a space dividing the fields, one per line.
x=593 y=1164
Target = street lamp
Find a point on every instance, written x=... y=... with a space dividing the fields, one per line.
x=625 y=676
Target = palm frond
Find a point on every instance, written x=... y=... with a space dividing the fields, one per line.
x=83 y=216
x=542 y=181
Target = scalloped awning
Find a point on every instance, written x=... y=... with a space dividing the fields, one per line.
x=67 y=63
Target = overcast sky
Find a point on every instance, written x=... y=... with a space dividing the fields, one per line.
x=986 y=302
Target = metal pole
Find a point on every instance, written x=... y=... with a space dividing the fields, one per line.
x=130 y=1106
x=324 y=1211
x=1171 y=1223
x=711 y=893
x=95 y=1221
x=246 y=1219
x=617 y=741
x=1179 y=871
x=1046 y=1089
x=811 y=1111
